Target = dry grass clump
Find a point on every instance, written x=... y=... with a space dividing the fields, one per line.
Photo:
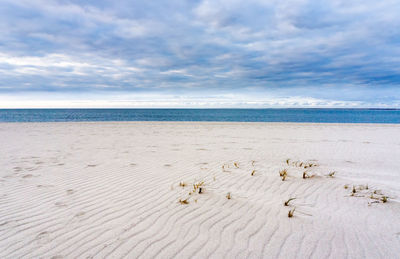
x=185 y=201
x=198 y=187
x=228 y=196
x=306 y=175
x=291 y=212
x=287 y=202
x=283 y=174
x=252 y=173
x=332 y=174
x=304 y=165
x=182 y=184
x=236 y=164
x=364 y=191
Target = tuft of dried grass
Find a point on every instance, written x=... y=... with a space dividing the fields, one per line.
x=306 y=175
x=182 y=184
x=291 y=212
x=236 y=164
x=287 y=202
x=198 y=187
x=283 y=174
x=288 y=161
x=252 y=173
x=332 y=174
x=228 y=196
x=185 y=201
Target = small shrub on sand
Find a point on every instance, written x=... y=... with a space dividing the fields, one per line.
x=346 y=186
x=384 y=199
x=236 y=164
x=182 y=184
x=287 y=202
x=228 y=196
x=252 y=173
x=291 y=212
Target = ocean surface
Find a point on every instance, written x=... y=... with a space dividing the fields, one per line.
x=238 y=115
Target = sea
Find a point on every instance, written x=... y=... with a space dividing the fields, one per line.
x=391 y=116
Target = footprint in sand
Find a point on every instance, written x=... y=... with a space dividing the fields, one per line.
x=27 y=176
x=43 y=237
x=91 y=165
x=44 y=186
x=70 y=191
x=60 y=204
x=80 y=214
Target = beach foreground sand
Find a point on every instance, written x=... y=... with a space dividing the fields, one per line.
x=113 y=189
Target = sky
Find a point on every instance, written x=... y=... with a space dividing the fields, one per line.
x=183 y=54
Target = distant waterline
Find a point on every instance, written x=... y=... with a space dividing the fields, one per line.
x=233 y=115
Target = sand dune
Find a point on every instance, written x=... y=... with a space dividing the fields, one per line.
x=112 y=190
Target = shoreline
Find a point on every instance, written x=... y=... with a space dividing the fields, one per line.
x=204 y=122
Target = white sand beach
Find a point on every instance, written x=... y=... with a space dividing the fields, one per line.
x=112 y=190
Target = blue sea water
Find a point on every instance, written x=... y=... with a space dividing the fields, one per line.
x=238 y=115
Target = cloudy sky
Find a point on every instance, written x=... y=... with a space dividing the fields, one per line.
x=220 y=53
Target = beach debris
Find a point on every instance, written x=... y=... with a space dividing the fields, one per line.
x=287 y=202
x=291 y=212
